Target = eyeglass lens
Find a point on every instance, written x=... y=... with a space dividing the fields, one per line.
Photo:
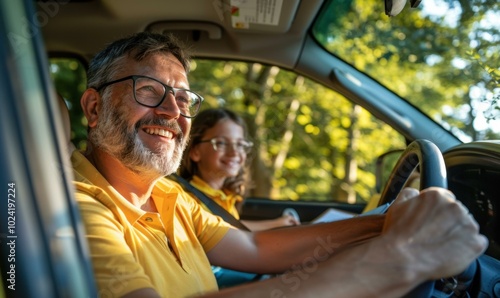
x=222 y=145
x=150 y=93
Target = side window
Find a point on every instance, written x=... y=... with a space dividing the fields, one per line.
x=70 y=80
x=311 y=142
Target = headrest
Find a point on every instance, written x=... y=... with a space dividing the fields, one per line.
x=64 y=112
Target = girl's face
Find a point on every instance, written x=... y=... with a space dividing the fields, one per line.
x=221 y=153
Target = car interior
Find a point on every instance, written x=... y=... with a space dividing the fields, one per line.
x=47 y=45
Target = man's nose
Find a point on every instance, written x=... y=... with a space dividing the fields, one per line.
x=169 y=106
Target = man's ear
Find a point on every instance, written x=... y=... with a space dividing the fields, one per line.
x=91 y=103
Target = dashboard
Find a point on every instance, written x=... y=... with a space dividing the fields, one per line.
x=473 y=171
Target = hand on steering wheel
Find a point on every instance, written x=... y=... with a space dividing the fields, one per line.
x=428 y=157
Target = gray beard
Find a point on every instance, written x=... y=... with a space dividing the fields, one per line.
x=113 y=136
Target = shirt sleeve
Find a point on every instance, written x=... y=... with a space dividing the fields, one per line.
x=210 y=229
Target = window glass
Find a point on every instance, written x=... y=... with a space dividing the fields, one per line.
x=310 y=142
x=441 y=56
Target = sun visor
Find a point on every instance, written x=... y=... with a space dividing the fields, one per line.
x=260 y=15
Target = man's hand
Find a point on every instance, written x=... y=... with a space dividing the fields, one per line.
x=434 y=232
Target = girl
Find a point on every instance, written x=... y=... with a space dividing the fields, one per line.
x=215 y=163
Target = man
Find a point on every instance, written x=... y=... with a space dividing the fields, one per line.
x=148 y=239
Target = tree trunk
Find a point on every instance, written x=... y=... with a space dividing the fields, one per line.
x=345 y=191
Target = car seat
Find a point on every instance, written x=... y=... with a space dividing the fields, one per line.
x=64 y=112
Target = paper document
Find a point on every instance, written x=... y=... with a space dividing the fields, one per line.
x=332 y=214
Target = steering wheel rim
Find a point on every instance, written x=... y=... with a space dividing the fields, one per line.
x=427 y=156
x=424 y=154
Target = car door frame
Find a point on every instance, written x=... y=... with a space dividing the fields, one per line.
x=43 y=250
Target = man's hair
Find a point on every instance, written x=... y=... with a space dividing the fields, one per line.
x=138 y=46
x=205 y=120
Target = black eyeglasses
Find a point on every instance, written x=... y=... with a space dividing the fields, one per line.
x=222 y=145
x=150 y=93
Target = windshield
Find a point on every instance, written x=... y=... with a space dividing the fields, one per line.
x=442 y=56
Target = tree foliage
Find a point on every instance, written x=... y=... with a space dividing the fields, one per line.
x=434 y=59
x=313 y=144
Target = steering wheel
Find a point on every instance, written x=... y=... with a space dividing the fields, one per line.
x=428 y=157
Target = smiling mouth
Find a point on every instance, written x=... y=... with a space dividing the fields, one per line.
x=159 y=132
x=233 y=163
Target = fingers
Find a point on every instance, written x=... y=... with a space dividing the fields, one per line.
x=290 y=220
x=437 y=229
x=441 y=192
x=294 y=221
x=409 y=193
x=406 y=194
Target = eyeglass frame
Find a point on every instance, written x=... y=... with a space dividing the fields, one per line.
x=165 y=86
x=214 y=140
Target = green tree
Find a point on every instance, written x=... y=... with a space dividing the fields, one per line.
x=306 y=134
x=423 y=54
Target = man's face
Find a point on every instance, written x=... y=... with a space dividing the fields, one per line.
x=146 y=140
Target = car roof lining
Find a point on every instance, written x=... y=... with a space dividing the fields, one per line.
x=76 y=27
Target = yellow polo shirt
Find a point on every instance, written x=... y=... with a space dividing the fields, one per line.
x=224 y=199
x=132 y=249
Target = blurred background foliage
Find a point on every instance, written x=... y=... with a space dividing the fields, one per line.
x=311 y=142
x=442 y=56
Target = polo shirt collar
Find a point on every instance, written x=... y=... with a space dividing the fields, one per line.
x=84 y=171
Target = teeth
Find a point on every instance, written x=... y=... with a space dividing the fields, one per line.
x=159 y=132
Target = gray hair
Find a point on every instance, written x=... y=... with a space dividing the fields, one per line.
x=138 y=46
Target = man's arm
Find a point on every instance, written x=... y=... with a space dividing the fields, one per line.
x=275 y=251
x=367 y=270
x=427 y=237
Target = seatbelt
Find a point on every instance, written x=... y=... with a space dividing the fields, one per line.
x=215 y=208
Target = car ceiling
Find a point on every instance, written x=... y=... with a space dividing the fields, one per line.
x=84 y=27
